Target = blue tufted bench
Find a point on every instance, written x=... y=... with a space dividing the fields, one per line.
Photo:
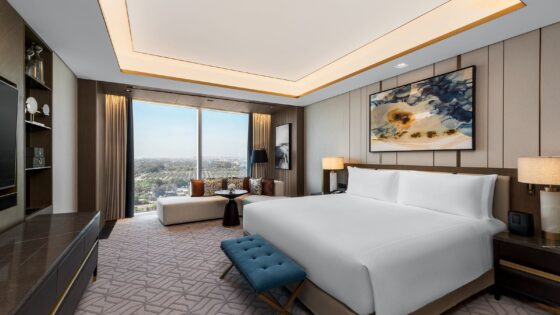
x=264 y=267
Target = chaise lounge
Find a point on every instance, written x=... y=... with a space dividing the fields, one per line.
x=184 y=209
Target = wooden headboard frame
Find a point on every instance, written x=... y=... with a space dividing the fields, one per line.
x=519 y=199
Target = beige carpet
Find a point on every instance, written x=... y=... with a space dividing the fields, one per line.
x=146 y=268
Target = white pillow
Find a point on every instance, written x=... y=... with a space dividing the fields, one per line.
x=465 y=195
x=381 y=185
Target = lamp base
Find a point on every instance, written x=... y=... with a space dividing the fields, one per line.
x=550 y=214
x=333 y=181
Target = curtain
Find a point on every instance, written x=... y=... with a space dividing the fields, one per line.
x=129 y=204
x=115 y=157
x=250 y=146
x=261 y=140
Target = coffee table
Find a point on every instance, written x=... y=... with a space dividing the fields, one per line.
x=231 y=213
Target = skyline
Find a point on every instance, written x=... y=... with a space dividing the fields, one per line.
x=170 y=131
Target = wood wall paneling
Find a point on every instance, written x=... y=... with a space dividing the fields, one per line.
x=389 y=158
x=87 y=145
x=478 y=157
x=355 y=124
x=521 y=97
x=367 y=156
x=446 y=158
x=12 y=64
x=550 y=90
x=496 y=105
x=415 y=158
x=293 y=178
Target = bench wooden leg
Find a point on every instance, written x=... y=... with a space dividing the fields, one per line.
x=225 y=272
x=281 y=309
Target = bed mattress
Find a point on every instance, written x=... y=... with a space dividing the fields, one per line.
x=376 y=256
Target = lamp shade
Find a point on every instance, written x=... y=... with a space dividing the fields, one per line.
x=333 y=163
x=539 y=170
x=259 y=156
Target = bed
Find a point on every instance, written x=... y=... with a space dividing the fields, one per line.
x=365 y=255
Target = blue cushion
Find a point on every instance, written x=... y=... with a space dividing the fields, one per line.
x=264 y=266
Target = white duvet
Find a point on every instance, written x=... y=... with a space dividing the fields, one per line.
x=360 y=250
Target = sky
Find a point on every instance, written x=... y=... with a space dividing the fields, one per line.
x=169 y=131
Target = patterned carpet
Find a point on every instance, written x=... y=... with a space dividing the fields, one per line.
x=146 y=268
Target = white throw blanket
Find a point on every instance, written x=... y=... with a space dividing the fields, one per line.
x=361 y=250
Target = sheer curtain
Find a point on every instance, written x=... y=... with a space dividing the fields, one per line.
x=115 y=157
x=261 y=140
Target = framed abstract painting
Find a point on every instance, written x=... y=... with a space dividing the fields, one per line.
x=282 y=159
x=429 y=115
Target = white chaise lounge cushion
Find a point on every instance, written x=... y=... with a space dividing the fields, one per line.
x=466 y=195
x=376 y=184
x=173 y=210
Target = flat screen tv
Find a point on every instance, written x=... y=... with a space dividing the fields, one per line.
x=8 y=133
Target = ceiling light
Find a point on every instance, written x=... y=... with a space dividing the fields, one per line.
x=401 y=65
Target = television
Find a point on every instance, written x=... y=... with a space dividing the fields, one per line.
x=8 y=133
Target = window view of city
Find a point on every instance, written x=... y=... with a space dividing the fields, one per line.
x=165 y=149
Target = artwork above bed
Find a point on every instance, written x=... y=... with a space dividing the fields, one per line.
x=431 y=114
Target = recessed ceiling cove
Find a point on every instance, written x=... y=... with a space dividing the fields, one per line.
x=288 y=48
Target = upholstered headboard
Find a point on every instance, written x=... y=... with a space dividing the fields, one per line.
x=508 y=193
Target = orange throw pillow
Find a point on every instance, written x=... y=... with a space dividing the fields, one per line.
x=268 y=187
x=197 y=188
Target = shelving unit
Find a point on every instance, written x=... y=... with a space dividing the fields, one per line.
x=38 y=133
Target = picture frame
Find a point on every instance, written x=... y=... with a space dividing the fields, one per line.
x=283 y=147
x=433 y=114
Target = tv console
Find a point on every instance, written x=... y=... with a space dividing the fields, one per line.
x=47 y=263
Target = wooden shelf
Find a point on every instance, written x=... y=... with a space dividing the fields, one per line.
x=30 y=212
x=30 y=169
x=37 y=125
x=33 y=83
x=38 y=133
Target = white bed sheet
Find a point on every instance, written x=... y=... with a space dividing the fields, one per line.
x=361 y=250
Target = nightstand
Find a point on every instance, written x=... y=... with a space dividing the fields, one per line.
x=527 y=265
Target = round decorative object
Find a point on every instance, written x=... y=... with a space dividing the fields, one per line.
x=231 y=187
x=31 y=105
x=46 y=110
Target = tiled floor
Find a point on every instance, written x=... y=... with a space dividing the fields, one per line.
x=146 y=268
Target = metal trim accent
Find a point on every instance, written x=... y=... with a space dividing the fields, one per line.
x=529 y=270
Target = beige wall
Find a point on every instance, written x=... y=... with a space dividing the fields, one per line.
x=65 y=94
x=518 y=88
x=12 y=68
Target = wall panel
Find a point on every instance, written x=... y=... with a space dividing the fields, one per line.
x=326 y=134
x=293 y=178
x=445 y=158
x=415 y=158
x=550 y=91
x=370 y=158
x=389 y=158
x=496 y=105
x=521 y=97
x=355 y=124
x=478 y=157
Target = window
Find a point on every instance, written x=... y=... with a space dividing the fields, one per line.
x=166 y=149
x=224 y=144
x=165 y=152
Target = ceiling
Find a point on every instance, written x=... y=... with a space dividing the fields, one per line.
x=310 y=49
x=286 y=39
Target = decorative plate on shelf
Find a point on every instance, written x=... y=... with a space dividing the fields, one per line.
x=31 y=105
x=46 y=110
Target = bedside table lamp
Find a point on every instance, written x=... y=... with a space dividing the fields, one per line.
x=544 y=171
x=333 y=164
